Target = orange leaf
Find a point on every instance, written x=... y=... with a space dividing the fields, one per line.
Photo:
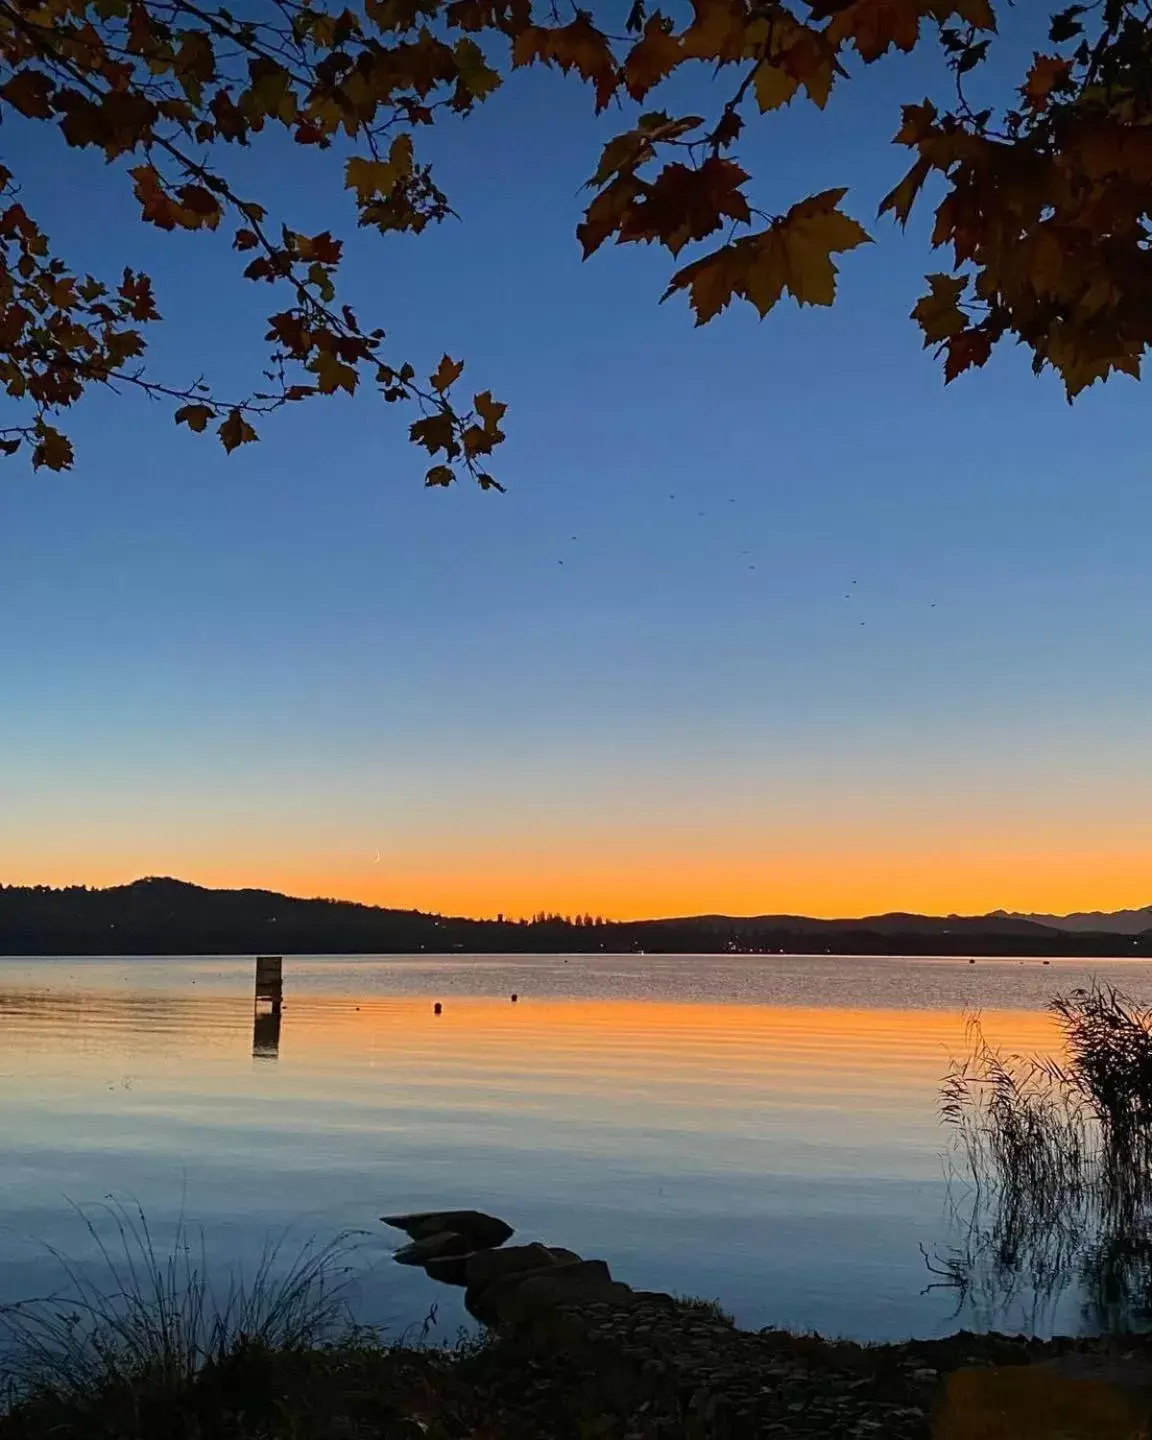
x=235 y=431
x=196 y=417
x=653 y=57
x=1048 y=72
x=446 y=374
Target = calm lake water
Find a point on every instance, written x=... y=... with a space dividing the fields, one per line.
x=761 y=1130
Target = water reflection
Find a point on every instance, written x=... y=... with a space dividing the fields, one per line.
x=266 y=1031
x=784 y=1158
x=1013 y=1266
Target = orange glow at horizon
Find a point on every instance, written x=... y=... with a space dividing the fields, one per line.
x=633 y=885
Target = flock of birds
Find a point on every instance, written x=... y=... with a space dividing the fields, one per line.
x=744 y=554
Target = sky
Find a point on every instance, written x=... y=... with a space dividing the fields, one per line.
x=768 y=619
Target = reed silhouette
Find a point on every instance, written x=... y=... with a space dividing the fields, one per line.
x=1053 y=1156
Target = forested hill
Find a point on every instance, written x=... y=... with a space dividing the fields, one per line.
x=171 y=917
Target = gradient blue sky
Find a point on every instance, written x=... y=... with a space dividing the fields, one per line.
x=268 y=668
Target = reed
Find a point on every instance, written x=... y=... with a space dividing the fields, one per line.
x=1056 y=1152
x=162 y=1314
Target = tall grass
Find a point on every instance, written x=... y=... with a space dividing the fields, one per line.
x=1057 y=1152
x=158 y=1315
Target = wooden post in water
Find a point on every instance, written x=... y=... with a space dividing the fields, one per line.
x=266 y=1011
x=270 y=978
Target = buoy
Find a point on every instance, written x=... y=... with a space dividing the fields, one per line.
x=437 y=1008
x=515 y=997
x=971 y=962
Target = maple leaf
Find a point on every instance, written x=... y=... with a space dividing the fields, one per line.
x=797 y=252
x=435 y=432
x=52 y=450
x=446 y=374
x=477 y=76
x=684 y=204
x=652 y=58
x=773 y=86
x=1048 y=73
x=963 y=351
x=938 y=313
x=874 y=26
x=717 y=32
x=439 y=475
x=578 y=46
x=196 y=417
x=30 y=92
x=794 y=254
x=902 y=197
x=333 y=374
x=490 y=411
x=235 y=431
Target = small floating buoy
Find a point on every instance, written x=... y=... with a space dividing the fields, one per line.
x=1047 y=962
x=971 y=962
x=515 y=997
x=437 y=1008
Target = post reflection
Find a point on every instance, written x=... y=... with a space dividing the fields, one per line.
x=266 y=1032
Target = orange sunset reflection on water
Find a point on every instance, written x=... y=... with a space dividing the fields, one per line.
x=783 y=1153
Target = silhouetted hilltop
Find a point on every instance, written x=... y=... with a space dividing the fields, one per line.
x=158 y=916
x=1112 y=922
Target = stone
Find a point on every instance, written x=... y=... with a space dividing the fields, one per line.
x=546 y=1291
x=1038 y=1402
x=432 y=1247
x=564 y=1278
x=448 y=1269
x=480 y=1230
x=484 y=1267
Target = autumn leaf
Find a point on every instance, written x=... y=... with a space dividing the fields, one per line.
x=30 y=92
x=446 y=374
x=1048 y=73
x=435 y=432
x=490 y=411
x=901 y=198
x=1043 y=206
x=52 y=450
x=370 y=178
x=794 y=254
x=196 y=417
x=235 y=431
x=773 y=86
x=938 y=313
x=577 y=46
x=963 y=351
x=476 y=75
x=652 y=58
x=717 y=32
x=439 y=475
x=333 y=374
x=685 y=203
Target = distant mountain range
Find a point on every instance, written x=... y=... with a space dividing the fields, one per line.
x=158 y=916
x=1108 y=922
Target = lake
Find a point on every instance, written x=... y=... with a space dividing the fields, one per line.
x=757 y=1129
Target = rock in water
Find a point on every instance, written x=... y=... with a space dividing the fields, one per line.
x=482 y=1232
x=555 y=1282
x=432 y=1247
x=482 y=1267
x=488 y=1266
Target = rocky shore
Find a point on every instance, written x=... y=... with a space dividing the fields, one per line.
x=647 y=1364
x=567 y=1351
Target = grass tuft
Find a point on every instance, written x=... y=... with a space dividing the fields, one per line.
x=159 y=1317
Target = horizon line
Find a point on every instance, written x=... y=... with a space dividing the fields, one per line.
x=502 y=917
